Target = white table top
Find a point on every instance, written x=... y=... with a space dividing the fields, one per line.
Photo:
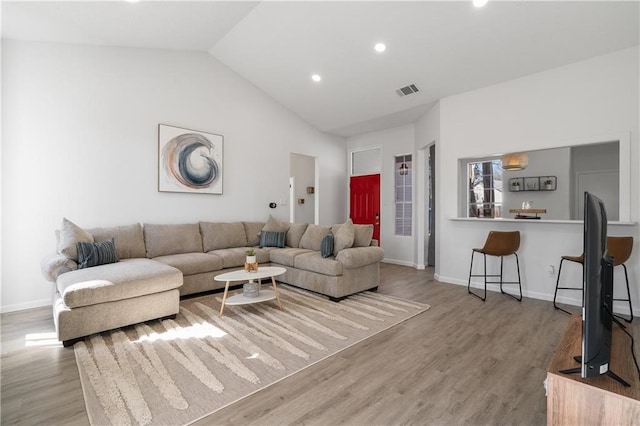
x=242 y=275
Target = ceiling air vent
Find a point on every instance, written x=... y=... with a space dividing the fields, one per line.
x=407 y=90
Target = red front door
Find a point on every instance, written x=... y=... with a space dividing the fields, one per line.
x=365 y=202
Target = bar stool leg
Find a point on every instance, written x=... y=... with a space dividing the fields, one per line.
x=485 y=279
x=628 y=299
x=556 y=292
x=519 y=299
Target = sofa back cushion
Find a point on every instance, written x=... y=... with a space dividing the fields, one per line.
x=363 y=235
x=128 y=239
x=295 y=233
x=343 y=237
x=252 y=229
x=161 y=240
x=274 y=225
x=216 y=236
x=69 y=235
x=312 y=238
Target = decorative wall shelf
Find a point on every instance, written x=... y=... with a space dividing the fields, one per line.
x=533 y=183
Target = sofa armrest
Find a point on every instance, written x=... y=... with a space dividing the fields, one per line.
x=355 y=257
x=54 y=265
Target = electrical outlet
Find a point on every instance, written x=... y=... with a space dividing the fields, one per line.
x=552 y=270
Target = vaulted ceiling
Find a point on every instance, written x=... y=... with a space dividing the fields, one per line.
x=442 y=47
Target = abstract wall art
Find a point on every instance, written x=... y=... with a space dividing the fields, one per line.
x=189 y=160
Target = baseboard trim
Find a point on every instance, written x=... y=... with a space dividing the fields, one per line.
x=24 y=306
x=399 y=262
x=619 y=307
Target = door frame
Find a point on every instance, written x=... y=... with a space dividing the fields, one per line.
x=421 y=210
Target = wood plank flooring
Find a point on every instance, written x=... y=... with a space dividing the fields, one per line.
x=464 y=361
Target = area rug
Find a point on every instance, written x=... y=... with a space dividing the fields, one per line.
x=178 y=371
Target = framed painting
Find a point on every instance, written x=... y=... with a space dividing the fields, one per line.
x=189 y=160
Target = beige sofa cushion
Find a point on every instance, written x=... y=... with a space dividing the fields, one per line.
x=128 y=239
x=363 y=235
x=219 y=235
x=116 y=281
x=161 y=240
x=343 y=237
x=313 y=235
x=294 y=234
x=314 y=262
x=252 y=230
x=70 y=234
x=235 y=257
x=192 y=263
x=274 y=225
x=286 y=256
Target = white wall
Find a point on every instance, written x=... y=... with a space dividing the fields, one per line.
x=80 y=141
x=559 y=107
x=393 y=142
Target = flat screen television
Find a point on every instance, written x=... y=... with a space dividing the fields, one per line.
x=597 y=302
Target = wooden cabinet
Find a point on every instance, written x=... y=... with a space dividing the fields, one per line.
x=572 y=400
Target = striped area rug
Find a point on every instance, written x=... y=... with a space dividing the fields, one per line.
x=177 y=371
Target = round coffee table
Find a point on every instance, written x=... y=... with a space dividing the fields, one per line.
x=242 y=275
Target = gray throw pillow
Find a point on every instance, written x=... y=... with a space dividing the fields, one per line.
x=344 y=237
x=94 y=254
x=326 y=249
x=272 y=239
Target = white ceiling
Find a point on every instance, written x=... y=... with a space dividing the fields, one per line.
x=444 y=47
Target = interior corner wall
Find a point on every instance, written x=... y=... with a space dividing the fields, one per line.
x=393 y=141
x=559 y=107
x=80 y=140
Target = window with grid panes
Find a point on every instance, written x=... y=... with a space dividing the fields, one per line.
x=485 y=188
x=403 y=170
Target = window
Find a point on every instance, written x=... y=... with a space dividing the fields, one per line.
x=365 y=161
x=485 y=188
x=403 y=191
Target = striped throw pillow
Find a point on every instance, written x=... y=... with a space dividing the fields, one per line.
x=94 y=254
x=326 y=248
x=272 y=239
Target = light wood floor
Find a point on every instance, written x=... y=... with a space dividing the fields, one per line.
x=464 y=361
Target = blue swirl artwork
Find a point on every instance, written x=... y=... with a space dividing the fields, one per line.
x=189 y=161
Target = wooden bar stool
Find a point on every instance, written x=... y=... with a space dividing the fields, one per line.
x=501 y=244
x=619 y=248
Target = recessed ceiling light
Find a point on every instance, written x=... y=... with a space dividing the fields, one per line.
x=479 y=3
x=380 y=47
x=316 y=77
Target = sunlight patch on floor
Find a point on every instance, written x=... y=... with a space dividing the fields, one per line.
x=197 y=331
x=42 y=339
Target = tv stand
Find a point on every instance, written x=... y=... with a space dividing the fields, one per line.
x=609 y=373
x=594 y=400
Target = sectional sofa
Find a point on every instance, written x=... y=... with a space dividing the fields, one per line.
x=135 y=273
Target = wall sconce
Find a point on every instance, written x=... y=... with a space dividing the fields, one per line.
x=515 y=161
x=404 y=169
